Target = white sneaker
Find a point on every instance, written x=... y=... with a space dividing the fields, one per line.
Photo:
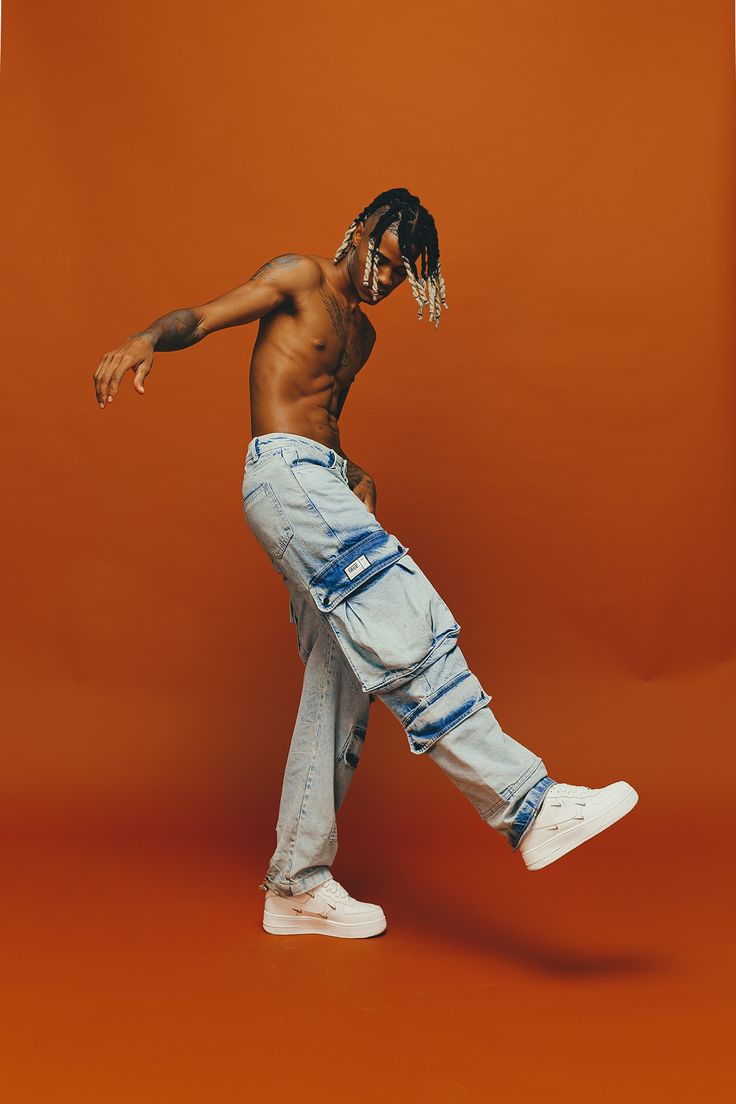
x=326 y=910
x=570 y=815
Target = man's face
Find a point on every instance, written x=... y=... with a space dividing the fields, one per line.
x=391 y=271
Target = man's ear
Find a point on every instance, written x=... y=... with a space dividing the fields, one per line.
x=359 y=231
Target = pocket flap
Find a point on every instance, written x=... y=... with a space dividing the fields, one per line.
x=353 y=566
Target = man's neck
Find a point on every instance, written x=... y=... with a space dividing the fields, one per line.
x=340 y=279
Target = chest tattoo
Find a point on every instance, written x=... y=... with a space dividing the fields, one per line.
x=349 y=335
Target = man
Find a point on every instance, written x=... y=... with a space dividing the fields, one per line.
x=369 y=623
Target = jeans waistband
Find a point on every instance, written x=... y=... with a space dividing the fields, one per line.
x=274 y=442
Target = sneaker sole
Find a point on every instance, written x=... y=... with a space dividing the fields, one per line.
x=314 y=925
x=549 y=852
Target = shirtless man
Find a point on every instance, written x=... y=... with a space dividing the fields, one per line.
x=369 y=623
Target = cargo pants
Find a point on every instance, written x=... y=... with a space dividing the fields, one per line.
x=369 y=626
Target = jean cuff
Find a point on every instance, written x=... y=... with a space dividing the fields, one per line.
x=316 y=876
x=526 y=813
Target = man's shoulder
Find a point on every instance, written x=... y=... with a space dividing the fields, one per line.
x=294 y=270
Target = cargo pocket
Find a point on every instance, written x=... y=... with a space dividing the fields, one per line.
x=349 y=753
x=266 y=519
x=346 y=761
x=388 y=618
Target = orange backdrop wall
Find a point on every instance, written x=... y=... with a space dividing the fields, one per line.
x=559 y=455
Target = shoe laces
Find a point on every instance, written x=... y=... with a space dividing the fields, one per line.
x=571 y=794
x=561 y=789
x=334 y=889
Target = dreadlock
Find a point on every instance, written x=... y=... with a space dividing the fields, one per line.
x=402 y=213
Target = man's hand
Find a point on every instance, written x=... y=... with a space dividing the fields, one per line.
x=362 y=485
x=366 y=492
x=135 y=355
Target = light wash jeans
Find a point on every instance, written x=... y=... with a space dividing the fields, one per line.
x=369 y=625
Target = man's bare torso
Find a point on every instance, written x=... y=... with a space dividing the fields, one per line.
x=313 y=338
x=306 y=356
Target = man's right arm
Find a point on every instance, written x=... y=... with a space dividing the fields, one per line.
x=269 y=288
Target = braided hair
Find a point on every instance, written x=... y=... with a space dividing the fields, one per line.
x=402 y=213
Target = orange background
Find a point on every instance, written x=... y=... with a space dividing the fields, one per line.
x=559 y=456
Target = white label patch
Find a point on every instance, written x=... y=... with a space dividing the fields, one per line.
x=357 y=566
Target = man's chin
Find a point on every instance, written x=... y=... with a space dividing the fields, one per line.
x=370 y=300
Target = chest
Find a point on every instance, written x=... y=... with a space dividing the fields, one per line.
x=338 y=335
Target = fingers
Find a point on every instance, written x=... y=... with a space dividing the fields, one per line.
x=99 y=379
x=117 y=369
x=111 y=370
x=368 y=500
x=107 y=378
x=140 y=376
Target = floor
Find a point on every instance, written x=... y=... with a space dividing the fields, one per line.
x=138 y=972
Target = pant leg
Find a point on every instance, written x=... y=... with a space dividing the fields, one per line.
x=503 y=780
x=445 y=712
x=326 y=744
x=393 y=628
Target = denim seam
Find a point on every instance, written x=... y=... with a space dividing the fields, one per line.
x=312 y=505
x=480 y=704
x=514 y=787
x=336 y=635
x=510 y=792
x=493 y=809
x=525 y=816
x=302 y=445
x=391 y=679
x=394 y=677
x=289 y=530
x=300 y=885
x=260 y=461
x=431 y=697
x=310 y=773
x=265 y=489
x=296 y=885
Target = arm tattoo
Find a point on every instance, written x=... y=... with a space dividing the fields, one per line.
x=355 y=475
x=176 y=330
x=286 y=260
